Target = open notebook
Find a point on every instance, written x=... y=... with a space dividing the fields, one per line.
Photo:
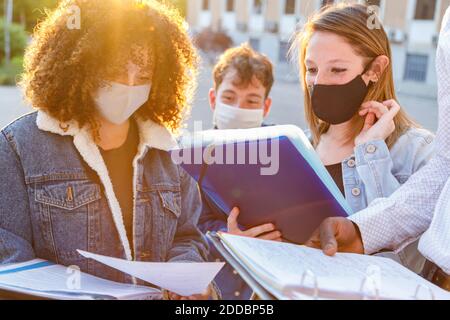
x=283 y=271
x=43 y=279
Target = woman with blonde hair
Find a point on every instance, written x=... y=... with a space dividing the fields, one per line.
x=365 y=139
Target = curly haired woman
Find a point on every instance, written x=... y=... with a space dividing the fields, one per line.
x=90 y=169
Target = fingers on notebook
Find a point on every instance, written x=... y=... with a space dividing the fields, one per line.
x=314 y=240
x=274 y=236
x=259 y=230
x=328 y=237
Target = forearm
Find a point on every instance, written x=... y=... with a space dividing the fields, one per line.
x=392 y=223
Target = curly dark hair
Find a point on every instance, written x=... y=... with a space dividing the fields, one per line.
x=65 y=66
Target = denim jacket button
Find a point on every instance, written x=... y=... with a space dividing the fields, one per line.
x=356 y=192
x=237 y=294
x=351 y=163
x=371 y=148
x=235 y=272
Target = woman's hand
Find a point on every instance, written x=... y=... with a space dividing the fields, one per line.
x=379 y=122
x=265 y=231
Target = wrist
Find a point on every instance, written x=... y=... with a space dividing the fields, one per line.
x=360 y=243
x=362 y=141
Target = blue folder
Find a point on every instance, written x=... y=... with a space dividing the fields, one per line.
x=296 y=199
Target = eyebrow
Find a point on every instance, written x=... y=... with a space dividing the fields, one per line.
x=254 y=95
x=331 y=61
x=229 y=91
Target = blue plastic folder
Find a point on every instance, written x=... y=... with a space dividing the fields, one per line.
x=297 y=198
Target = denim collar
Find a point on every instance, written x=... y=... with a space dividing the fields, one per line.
x=151 y=134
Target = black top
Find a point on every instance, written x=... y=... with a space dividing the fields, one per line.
x=119 y=163
x=335 y=171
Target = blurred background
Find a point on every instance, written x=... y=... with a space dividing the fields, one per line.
x=267 y=25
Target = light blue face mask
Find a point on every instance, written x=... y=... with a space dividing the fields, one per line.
x=117 y=102
x=229 y=117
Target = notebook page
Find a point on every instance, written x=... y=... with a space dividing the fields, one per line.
x=43 y=278
x=182 y=278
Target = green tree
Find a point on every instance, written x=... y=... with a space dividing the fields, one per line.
x=29 y=12
x=18 y=39
x=181 y=5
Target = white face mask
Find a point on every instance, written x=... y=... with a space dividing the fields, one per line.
x=229 y=117
x=117 y=102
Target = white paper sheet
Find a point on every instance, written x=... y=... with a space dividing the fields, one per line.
x=45 y=279
x=184 y=279
x=343 y=274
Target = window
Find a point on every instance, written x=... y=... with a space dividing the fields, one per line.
x=230 y=5
x=242 y=27
x=271 y=27
x=205 y=5
x=373 y=3
x=283 y=51
x=425 y=9
x=257 y=6
x=289 y=7
x=416 y=67
x=254 y=43
x=327 y=2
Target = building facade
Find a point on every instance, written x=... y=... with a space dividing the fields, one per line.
x=268 y=25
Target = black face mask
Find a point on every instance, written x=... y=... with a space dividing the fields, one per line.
x=336 y=104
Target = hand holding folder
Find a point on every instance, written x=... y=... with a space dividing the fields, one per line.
x=296 y=197
x=265 y=231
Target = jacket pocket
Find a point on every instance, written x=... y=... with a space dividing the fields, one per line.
x=170 y=201
x=67 y=214
x=69 y=196
x=165 y=210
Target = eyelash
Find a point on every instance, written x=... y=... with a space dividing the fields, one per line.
x=337 y=70
x=334 y=70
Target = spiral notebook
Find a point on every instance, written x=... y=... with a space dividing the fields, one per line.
x=272 y=174
x=285 y=271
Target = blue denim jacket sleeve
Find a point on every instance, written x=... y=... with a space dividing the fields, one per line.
x=375 y=164
x=15 y=223
x=211 y=218
x=187 y=234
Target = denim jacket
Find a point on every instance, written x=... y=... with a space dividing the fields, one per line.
x=57 y=197
x=375 y=171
